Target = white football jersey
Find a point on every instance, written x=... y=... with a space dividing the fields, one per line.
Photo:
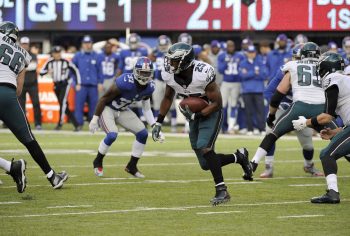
x=203 y=74
x=306 y=86
x=13 y=59
x=343 y=83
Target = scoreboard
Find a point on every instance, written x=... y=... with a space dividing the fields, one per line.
x=179 y=15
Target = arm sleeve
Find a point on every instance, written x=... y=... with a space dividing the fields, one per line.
x=331 y=99
x=147 y=112
x=75 y=71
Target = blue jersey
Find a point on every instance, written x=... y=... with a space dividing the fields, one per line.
x=128 y=58
x=252 y=74
x=275 y=60
x=271 y=88
x=109 y=65
x=158 y=64
x=130 y=92
x=228 y=66
x=89 y=68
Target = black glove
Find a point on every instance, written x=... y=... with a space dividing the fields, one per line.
x=270 y=119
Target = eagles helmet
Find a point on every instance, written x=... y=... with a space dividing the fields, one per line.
x=296 y=51
x=164 y=43
x=310 y=50
x=133 y=41
x=330 y=62
x=179 y=57
x=185 y=38
x=10 y=29
x=143 y=70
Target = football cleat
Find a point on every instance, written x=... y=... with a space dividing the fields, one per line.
x=134 y=171
x=17 y=172
x=312 y=170
x=58 y=179
x=254 y=165
x=331 y=197
x=246 y=166
x=221 y=195
x=268 y=173
x=98 y=171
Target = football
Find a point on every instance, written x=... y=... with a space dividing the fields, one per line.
x=195 y=104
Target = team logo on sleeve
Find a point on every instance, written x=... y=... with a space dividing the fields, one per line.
x=210 y=74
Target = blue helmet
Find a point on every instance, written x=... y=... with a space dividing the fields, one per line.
x=133 y=41
x=185 y=38
x=197 y=50
x=296 y=51
x=164 y=43
x=143 y=70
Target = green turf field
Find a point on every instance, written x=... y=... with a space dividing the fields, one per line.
x=174 y=197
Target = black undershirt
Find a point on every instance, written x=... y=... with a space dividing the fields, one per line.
x=331 y=94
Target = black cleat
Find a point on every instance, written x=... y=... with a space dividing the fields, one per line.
x=244 y=162
x=134 y=171
x=254 y=165
x=221 y=196
x=331 y=197
x=58 y=179
x=17 y=172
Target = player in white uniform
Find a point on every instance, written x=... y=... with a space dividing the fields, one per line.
x=337 y=92
x=308 y=97
x=13 y=61
x=187 y=77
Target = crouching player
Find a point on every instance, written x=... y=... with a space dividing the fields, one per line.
x=113 y=108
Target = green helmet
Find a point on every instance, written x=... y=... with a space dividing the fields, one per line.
x=10 y=29
x=330 y=62
x=310 y=50
x=181 y=52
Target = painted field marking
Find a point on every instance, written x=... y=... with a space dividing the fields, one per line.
x=9 y=203
x=146 y=209
x=305 y=185
x=298 y=216
x=69 y=206
x=217 y=212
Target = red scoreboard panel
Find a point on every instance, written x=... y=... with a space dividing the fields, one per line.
x=181 y=15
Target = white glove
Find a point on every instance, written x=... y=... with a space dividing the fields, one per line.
x=93 y=126
x=300 y=123
x=161 y=137
x=157 y=134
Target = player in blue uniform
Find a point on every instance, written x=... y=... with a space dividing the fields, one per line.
x=113 y=108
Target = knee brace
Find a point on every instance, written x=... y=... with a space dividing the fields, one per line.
x=142 y=136
x=110 y=138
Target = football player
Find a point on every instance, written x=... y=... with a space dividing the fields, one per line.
x=113 y=108
x=346 y=50
x=308 y=98
x=304 y=136
x=188 y=77
x=12 y=66
x=337 y=87
x=157 y=56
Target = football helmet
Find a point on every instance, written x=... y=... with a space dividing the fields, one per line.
x=330 y=62
x=179 y=57
x=310 y=50
x=164 y=43
x=143 y=70
x=296 y=51
x=10 y=29
x=346 y=45
x=134 y=41
x=185 y=38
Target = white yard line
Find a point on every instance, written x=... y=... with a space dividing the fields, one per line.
x=298 y=216
x=147 y=209
x=217 y=212
x=305 y=185
x=69 y=206
x=9 y=203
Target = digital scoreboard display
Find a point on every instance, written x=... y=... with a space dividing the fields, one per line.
x=180 y=15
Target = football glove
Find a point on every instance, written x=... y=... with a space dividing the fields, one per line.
x=157 y=134
x=93 y=126
x=300 y=123
x=189 y=115
x=270 y=119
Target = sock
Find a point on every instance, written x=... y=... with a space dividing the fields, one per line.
x=98 y=160
x=137 y=149
x=173 y=122
x=269 y=160
x=219 y=184
x=332 y=182
x=5 y=164
x=260 y=153
x=214 y=164
x=227 y=158
x=39 y=157
x=49 y=175
x=103 y=148
x=133 y=161
x=308 y=155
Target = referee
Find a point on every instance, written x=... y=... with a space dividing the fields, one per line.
x=59 y=70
